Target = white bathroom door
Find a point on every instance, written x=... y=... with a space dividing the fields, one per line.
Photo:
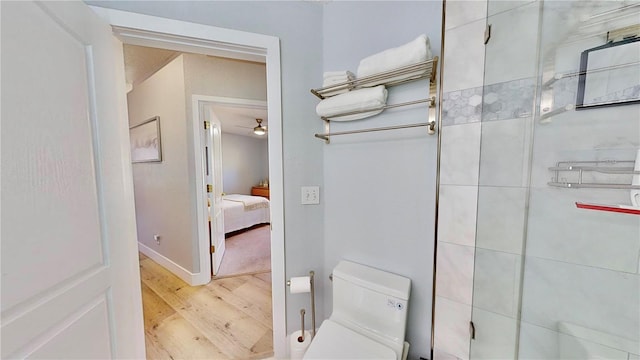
x=213 y=172
x=70 y=276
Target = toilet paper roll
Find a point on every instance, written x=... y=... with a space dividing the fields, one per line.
x=297 y=348
x=300 y=284
x=635 y=194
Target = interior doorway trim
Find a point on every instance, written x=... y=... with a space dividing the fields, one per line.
x=144 y=30
x=197 y=103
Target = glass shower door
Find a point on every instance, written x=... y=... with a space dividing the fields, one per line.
x=557 y=273
x=506 y=132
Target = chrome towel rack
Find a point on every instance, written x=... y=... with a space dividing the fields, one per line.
x=421 y=70
x=431 y=124
x=431 y=101
x=577 y=170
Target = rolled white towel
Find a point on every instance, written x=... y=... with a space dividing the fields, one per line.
x=337 y=77
x=410 y=53
x=372 y=100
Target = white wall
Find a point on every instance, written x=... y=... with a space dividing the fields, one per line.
x=245 y=162
x=163 y=204
x=380 y=188
x=298 y=25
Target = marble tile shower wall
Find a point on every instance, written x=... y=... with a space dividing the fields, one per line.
x=460 y=158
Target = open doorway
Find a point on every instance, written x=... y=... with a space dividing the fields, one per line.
x=137 y=29
x=236 y=151
x=237 y=306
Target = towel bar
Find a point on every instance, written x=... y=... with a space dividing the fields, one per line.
x=431 y=101
x=430 y=124
x=578 y=168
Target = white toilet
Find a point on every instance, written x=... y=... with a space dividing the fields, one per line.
x=369 y=316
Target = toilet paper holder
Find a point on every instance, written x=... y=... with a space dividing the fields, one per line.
x=301 y=337
x=313 y=305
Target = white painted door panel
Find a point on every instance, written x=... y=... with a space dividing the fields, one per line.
x=213 y=141
x=70 y=279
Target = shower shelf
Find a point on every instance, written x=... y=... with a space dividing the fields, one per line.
x=624 y=209
x=579 y=168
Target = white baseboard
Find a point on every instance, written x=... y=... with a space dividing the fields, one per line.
x=190 y=278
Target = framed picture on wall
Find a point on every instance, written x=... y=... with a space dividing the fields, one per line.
x=610 y=75
x=145 y=141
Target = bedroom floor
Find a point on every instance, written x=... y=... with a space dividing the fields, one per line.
x=228 y=318
x=248 y=252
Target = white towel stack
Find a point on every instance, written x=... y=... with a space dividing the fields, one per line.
x=337 y=77
x=370 y=100
x=413 y=52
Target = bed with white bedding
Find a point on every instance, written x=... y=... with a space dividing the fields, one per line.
x=244 y=211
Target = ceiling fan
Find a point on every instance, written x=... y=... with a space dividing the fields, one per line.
x=256 y=130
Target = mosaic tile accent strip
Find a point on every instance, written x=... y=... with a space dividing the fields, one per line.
x=501 y=101
x=462 y=106
x=508 y=100
x=514 y=99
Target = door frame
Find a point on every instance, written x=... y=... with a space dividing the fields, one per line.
x=145 y=30
x=197 y=101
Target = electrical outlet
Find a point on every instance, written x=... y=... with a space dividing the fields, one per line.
x=310 y=195
x=156 y=237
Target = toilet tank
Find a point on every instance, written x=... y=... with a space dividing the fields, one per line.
x=371 y=302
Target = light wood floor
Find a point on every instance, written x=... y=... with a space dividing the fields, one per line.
x=228 y=318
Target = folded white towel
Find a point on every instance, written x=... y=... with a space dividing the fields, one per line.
x=371 y=100
x=337 y=77
x=338 y=74
x=335 y=80
x=410 y=53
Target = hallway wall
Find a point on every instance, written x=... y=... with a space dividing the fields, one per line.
x=159 y=186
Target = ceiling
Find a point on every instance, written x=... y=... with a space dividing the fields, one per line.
x=141 y=62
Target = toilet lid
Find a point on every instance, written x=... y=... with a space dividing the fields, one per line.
x=334 y=341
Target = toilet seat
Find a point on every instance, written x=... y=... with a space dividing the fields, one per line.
x=334 y=341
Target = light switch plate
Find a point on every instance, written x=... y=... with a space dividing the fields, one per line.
x=310 y=195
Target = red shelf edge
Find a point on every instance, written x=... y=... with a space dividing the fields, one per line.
x=610 y=208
